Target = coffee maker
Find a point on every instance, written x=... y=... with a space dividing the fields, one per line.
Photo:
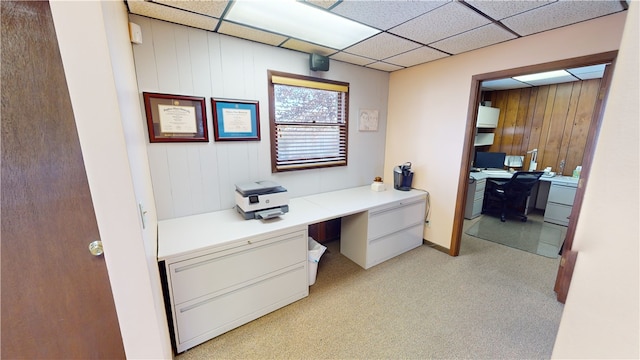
x=402 y=177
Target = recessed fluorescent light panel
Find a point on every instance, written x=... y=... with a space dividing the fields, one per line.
x=301 y=21
x=542 y=76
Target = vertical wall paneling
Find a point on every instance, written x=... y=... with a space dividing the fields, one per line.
x=555 y=119
x=190 y=178
x=582 y=123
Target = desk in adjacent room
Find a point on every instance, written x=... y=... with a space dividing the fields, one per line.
x=554 y=195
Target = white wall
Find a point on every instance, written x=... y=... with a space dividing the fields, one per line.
x=601 y=317
x=428 y=107
x=98 y=62
x=191 y=178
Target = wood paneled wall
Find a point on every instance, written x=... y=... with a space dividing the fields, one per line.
x=555 y=119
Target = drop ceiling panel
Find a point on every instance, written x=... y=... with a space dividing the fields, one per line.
x=352 y=59
x=499 y=10
x=382 y=46
x=588 y=72
x=307 y=47
x=384 y=66
x=325 y=4
x=210 y=8
x=162 y=12
x=560 y=13
x=252 y=34
x=384 y=14
x=451 y=26
x=416 y=56
x=439 y=23
x=474 y=39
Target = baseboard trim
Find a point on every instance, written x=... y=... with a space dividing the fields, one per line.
x=436 y=246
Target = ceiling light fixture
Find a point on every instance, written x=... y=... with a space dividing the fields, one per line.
x=542 y=76
x=301 y=21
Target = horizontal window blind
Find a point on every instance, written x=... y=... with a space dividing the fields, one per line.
x=308 y=121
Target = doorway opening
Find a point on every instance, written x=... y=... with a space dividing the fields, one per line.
x=475 y=100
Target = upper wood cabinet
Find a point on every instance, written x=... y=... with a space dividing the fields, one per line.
x=487 y=117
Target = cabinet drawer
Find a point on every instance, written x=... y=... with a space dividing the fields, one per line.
x=206 y=318
x=204 y=275
x=385 y=248
x=562 y=194
x=391 y=219
x=557 y=213
x=480 y=186
x=477 y=208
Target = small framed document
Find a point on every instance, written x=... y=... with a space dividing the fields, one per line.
x=235 y=120
x=175 y=118
x=368 y=120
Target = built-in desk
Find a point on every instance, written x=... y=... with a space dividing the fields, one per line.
x=554 y=195
x=221 y=271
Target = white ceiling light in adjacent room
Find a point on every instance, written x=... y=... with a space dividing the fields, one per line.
x=542 y=76
x=301 y=21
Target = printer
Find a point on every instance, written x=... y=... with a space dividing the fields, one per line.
x=261 y=200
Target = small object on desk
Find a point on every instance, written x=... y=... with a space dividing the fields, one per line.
x=378 y=185
x=577 y=171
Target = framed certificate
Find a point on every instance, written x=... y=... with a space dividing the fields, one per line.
x=175 y=118
x=235 y=120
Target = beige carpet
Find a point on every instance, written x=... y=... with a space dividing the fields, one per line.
x=491 y=302
x=534 y=235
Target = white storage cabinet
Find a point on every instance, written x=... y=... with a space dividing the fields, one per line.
x=487 y=117
x=215 y=291
x=559 y=204
x=371 y=237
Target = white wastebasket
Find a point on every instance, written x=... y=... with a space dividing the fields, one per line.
x=315 y=252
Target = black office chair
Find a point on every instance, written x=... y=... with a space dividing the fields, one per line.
x=510 y=194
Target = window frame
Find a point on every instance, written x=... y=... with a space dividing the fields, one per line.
x=301 y=81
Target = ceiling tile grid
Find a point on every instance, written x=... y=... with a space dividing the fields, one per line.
x=439 y=24
x=244 y=32
x=384 y=14
x=499 y=10
x=474 y=39
x=412 y=32
x=417 y=56
x=558 y=14
x=382 y=46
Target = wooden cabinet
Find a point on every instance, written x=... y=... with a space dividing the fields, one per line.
x=475 y=197
x=371 y=237
x=216 y=291
x=325 y=231
x=559 y=204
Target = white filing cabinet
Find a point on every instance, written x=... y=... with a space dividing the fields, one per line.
x=475 y=197
x=559 y=203
x=225 y=287
x=371 y=237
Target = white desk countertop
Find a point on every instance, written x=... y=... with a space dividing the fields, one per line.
x=189 y=234
x=558 y=179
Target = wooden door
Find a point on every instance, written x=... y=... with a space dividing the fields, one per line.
x=56 y=297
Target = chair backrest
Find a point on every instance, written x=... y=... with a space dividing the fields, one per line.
x=521 y=183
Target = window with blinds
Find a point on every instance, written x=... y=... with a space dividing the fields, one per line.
x=309 y=122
